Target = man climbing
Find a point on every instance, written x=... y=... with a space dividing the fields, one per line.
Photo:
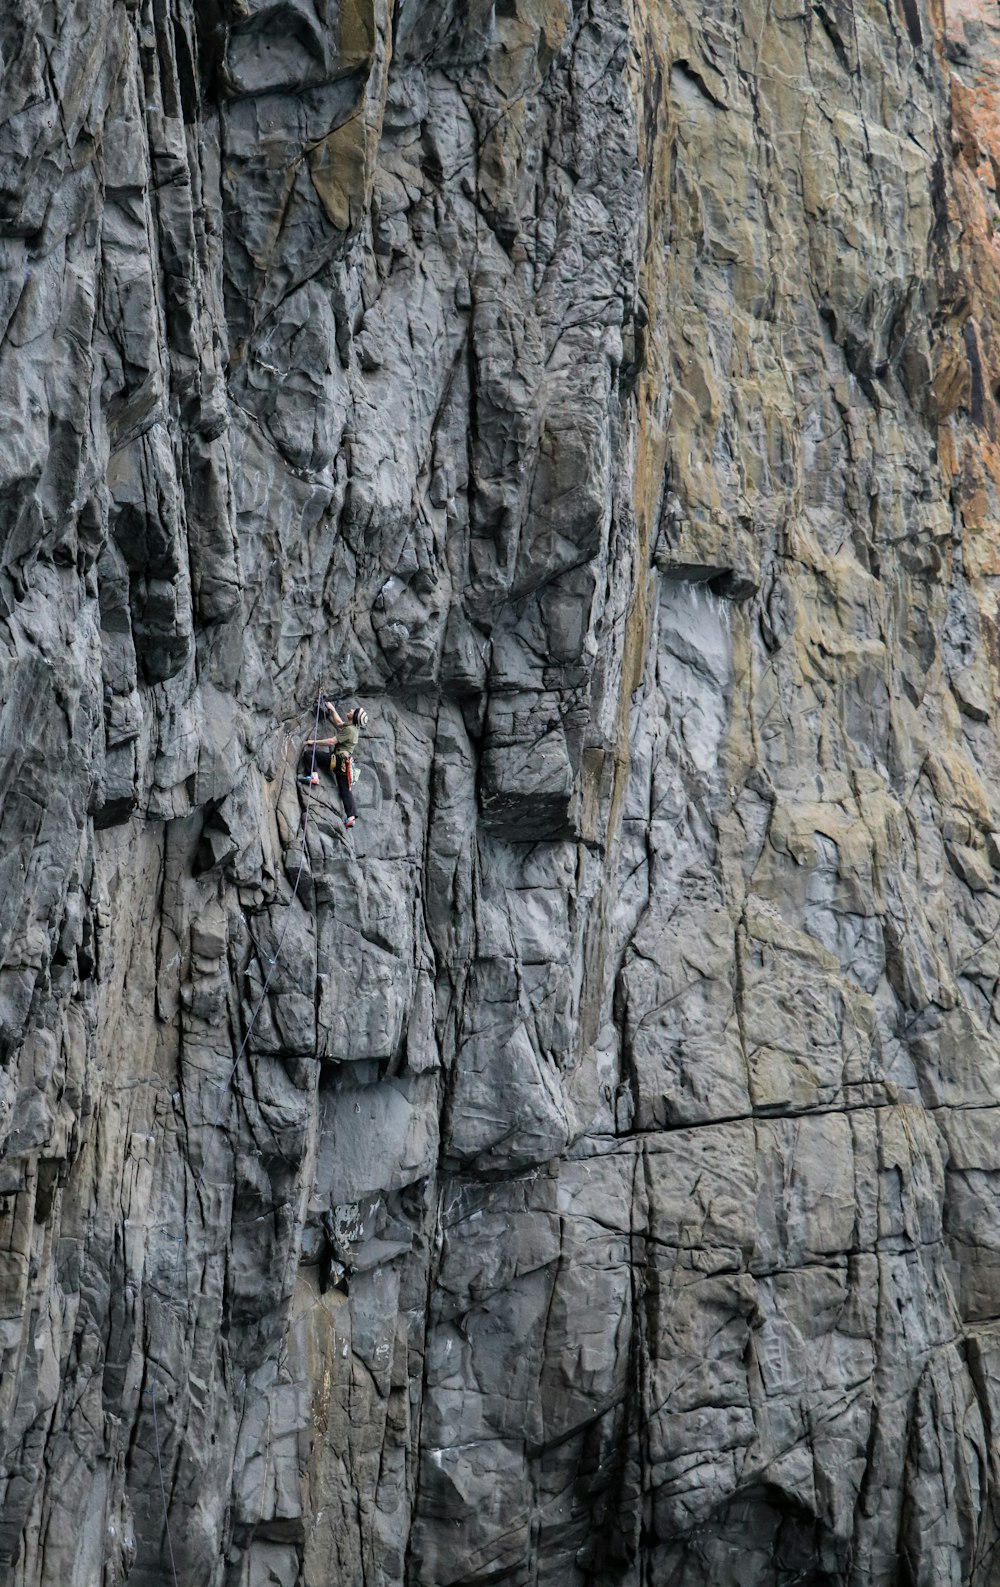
x=339 y=753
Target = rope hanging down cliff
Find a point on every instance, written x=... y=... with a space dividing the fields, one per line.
x=224 y=1086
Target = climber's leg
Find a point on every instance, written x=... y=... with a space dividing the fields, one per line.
x=345 y=781
x=315 y=761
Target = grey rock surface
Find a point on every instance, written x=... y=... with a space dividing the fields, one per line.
x=586 y=1170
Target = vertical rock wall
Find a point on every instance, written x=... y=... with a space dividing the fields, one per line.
x=585 y=1170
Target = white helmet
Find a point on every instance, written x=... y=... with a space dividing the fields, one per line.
x=360 y=716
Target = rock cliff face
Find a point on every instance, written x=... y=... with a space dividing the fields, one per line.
x=586 y=1171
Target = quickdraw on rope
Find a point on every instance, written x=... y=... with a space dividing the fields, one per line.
x=224 y=1086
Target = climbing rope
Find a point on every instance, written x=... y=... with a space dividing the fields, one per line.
x=272 y=962
x=163 y=1491
x=223 y=1087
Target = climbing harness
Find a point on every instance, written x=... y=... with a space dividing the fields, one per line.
x=337 y=759
x=224 y=1091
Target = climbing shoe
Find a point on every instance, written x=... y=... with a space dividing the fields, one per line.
x=350 y=821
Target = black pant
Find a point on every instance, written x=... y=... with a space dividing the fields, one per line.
x=338 y=766
x=345 y=781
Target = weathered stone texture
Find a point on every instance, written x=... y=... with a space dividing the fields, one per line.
x=585 y=1171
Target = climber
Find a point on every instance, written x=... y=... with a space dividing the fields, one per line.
x=339 y=752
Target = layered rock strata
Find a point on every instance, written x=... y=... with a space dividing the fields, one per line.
x=585 y=1171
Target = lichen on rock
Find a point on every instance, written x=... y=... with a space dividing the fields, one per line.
x=583 y=1169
